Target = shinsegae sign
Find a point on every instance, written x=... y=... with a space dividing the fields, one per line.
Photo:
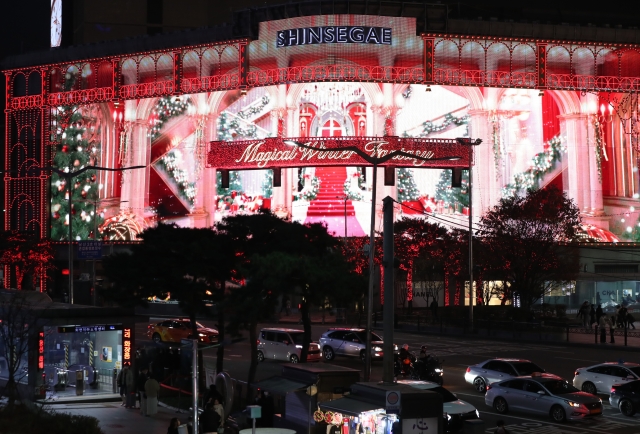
x=330 y=151
x=334 y=35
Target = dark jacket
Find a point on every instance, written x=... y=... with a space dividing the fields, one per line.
x=209 y=421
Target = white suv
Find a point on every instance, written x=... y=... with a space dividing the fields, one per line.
x=599 y=378
x=286 y=345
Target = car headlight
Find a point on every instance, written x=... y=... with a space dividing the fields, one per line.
x=446 y=415
x=395 y=348
x=377 y=349
x=573 y=404
x=201 y=334
x=478 y=413
x=438 y=370
x=299 y=347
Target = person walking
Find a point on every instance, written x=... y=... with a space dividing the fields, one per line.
x=599 y=314
x=209 y=420
x=630 y=321
x=582 y=313
x=218 y=408
x=130 y=383
x=612 y=329
x=143 y=376
x=592 y=316
x=622 y=317
x=124 y=379
x=152 y=387
x=602 y=324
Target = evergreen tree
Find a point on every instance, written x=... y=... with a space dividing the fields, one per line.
x=267 y=184
x=234 y=183
x=451 y=195
x=407 y=188
x=72 y=153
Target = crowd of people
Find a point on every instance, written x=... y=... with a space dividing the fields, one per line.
x=592 y=316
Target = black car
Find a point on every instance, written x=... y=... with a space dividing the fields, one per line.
x=626 y=397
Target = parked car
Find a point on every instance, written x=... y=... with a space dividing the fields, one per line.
x=543 y=394
x=285 y=344
x=626 y=397
x=455 y=411
x=493 y=370
x=174 y=330
x=351 y=343
x=599 y=378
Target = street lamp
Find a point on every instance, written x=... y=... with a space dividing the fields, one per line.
x=468 y=142
x=68 y=176
x=374 y=160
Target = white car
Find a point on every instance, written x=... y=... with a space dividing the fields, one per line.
x=599 y=378
x=493 y=370
x=455 y=411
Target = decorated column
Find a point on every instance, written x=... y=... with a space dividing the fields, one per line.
x=574 y=131
x=486 y=187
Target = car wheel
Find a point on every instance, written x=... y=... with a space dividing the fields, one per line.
x=500 y=405
x=294 y=358
x=558 y=414
x=363 y=356
x=626 y=408
x=328 y=353
x=589 y=387
x=156 y=338
x=260 y=356
x=480 y=385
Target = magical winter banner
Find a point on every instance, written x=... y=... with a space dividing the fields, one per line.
x=319 y=151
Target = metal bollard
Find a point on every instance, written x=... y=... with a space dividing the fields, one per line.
x=79 y=383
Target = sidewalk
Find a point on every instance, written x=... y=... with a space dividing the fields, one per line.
x=115 y=419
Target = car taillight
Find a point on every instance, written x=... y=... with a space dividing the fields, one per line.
x=613 y=390
x=575 y=374
x=469 y=369
x=258 y=341
x=487 y=387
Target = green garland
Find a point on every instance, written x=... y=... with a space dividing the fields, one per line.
x=227 y=127
x=73 y=152
x=187 y=190
x=429 y=127
x=254 y=110
x=166 y=108
x=542 y=163
x=598 y=150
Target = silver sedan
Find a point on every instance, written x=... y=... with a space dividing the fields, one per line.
x=543 y=394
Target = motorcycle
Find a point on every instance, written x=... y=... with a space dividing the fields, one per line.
x=427 y=368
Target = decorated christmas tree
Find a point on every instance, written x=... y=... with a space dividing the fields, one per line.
x=234 y=183
x=267 y=184
x=407 y=188
x=73 y=152
x=452 y=195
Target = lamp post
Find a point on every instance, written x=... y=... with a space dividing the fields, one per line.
x=470 y=144
x=375 y=160
x=68 y=176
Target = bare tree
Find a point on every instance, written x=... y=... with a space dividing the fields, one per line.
x=21 y=313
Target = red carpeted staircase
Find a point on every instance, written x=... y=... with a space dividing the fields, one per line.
x=328 y=202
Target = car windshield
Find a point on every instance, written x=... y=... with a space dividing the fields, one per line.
x=559 y=387
x=526 y=368
x=446 y=395
x=636 y=370
x=297 y=337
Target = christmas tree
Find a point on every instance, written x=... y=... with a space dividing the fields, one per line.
x=73 y=152
x=267 y=184
x=452 y=195
x=234 y=183
x=407 y=188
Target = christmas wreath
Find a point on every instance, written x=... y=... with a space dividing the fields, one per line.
x=328 y=417
x=318 y=416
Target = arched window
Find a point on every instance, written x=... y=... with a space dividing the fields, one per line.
x=332 y=128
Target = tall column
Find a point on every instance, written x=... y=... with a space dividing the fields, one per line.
x=577 y=161
x=486 y=186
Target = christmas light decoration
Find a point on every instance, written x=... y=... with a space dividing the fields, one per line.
x=429 y=127
x=267 y=184
x=254 y=109
x=186 y=189
x=352 y=192
x=542 y=163
x=228 y=129
x=311 y=187
x=166 y=108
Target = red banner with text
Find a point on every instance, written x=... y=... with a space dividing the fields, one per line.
x=282 y=152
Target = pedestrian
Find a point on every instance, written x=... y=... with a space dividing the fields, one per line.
x=121 y=387
x=630 y=321
x=209 y=420
x=434 y=310
x=130 y=382
x=598 y=313
x=592 y=316
x=612 y=330
x=501 y=429
x=125 y=383
x=173 y=426
x=603 y=328
x=583 y=313
x=143 y=376
x=212 y=394
x=622 y=317
x=151 y=388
